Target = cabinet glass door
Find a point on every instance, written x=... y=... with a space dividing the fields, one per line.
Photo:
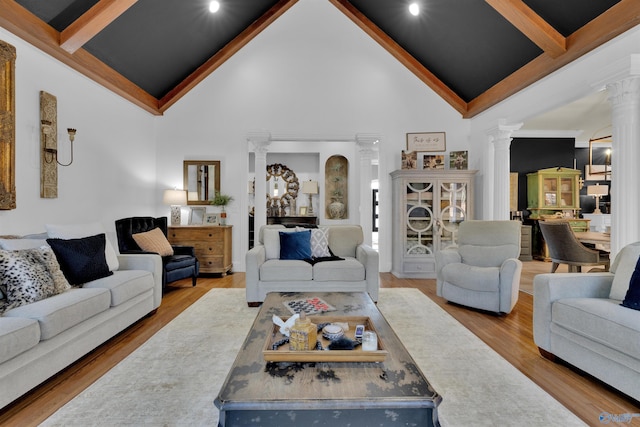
x=420 y=219
x=453 y=210
x=550 y=191
x=566 y=192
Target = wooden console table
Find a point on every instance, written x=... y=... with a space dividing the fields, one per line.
x=212 y=245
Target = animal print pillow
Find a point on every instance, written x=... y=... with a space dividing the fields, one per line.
x=29 y=275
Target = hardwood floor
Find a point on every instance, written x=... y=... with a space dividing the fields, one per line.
x=511 y=336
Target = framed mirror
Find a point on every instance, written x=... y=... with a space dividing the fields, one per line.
x=282 y=189
x=201 y=180
x=7 y=126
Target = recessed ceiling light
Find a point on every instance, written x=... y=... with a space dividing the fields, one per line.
x=414 y=9
x=214 y=6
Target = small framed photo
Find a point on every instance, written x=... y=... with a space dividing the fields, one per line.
x=426 y=141
x=409 y=160
x=196 y=216
x=459 y=160
x=433 y=161
x=211 y=219
x=302 y=211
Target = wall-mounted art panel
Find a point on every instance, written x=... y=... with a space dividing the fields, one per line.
x=48 y=140
x=7 y=127
x=336 y=185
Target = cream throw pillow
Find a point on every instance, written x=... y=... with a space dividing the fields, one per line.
x=154 y=241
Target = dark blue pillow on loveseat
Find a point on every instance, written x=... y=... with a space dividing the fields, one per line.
x=295 y=245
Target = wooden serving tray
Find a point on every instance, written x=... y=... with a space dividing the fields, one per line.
x=283 y=354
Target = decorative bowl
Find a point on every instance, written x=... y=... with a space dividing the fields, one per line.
x=332 y=332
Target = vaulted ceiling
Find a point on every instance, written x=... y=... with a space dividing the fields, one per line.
x=473 y=53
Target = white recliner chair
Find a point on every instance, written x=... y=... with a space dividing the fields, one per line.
x=483 y=271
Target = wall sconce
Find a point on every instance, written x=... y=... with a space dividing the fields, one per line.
x=47 y=129
x=310 y=188
x=175 y=199
x=597 y=191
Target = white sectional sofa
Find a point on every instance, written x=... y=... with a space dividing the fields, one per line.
x=578 y=318
x=39 y=339
x=357 y=271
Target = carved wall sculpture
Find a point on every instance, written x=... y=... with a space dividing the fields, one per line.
x=7 y=126
x=48 y=139
x=336 y=185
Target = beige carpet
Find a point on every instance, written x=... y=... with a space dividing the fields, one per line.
x=174 y=377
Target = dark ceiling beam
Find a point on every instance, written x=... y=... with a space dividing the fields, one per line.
x=30 y=28
x=615 y=21
x=401 y=55
x=531 y=25
x=224 y=54
x=92 y=22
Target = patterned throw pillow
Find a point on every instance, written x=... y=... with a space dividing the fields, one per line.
x=320 y=242
x=153 y=241
x=24 y=275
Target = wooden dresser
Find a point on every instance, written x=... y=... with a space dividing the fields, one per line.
x=212 y=245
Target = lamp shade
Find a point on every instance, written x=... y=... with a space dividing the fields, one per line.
x=309 y=187
x=597 y=190
x=174 y=197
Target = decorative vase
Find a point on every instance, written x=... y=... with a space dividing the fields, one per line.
x=336 y=209
x=223 y=217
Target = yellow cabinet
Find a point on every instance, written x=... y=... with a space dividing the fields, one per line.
x=553 y=190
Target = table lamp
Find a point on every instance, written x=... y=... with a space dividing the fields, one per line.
x=597 y=191
x=175 y=198
x=310 y=188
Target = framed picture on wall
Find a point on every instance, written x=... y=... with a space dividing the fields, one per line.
x=426 y=141
x=211 y=219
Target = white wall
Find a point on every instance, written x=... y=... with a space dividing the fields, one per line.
x=312 y=73
x=114 y=169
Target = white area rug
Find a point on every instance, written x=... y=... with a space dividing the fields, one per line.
x=174 y=377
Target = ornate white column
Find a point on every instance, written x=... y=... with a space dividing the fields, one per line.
x=260 y=142
x=500 y=137
x=624 y=96
x=366 y=144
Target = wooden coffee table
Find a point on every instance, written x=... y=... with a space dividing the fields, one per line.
x=279 y=394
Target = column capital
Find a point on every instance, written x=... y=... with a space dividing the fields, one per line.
x=367 y=144
x=624 y=91
x=500 y=135
x=259 y=140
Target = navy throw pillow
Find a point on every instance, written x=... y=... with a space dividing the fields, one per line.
x=295 y=245
x=632 y=298
x=81 y=260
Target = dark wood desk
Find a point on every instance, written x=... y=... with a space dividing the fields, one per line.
x=293 y=221
x=359 y=394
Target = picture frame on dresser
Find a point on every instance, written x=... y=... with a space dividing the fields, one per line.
x=196 y=216
x=211 y=219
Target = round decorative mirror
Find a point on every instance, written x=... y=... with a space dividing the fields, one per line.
x=282 y=190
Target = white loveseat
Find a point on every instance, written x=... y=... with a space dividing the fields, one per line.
x=578 y=318
x=357 y=271
x=39 y=339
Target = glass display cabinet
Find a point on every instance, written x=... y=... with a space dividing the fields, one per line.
x=428 y=208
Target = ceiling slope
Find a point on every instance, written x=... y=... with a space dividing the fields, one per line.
x=472 y=53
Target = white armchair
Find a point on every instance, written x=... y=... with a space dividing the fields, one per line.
x=483 y=271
